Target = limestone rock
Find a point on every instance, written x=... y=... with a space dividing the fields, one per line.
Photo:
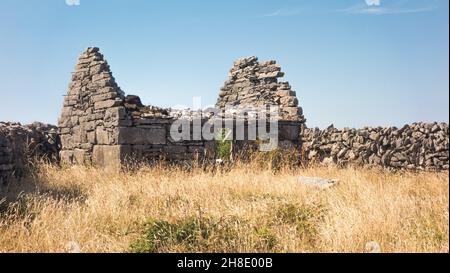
x=20 y=143
x=418 y=146
x=256 y=84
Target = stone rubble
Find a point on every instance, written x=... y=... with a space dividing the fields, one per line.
x=134 y=106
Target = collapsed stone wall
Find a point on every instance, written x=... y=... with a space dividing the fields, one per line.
x=20 y=143
x=419 y=146
x=255 y=84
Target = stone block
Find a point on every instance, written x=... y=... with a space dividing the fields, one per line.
x=110 y=156
x=142 y=136
x=64 y=131
x=67 y=141
x=91 y=137
x=125 y=123
x=115 y=113
x=107 y=104
x=285 y=93
x=104 y=96
x=102 y=136
x=289 y=132
x=289 y=101
x=79 y=135
x=101 y=76
x=175 y=149
x=152 y=121
x=66 y=112
x=66 y=157
x=69 y=103
x=89 y=126
x=79 y=156
x=98 y=67
x=292 y=111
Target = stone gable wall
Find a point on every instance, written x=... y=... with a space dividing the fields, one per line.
x=252 y=83
x=92 y=109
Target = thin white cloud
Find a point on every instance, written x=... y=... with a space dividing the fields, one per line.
x=370 y=7
x=399 y=7
x=72 y=2
x=282 y=13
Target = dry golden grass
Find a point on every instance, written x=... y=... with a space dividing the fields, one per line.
x=245 y=209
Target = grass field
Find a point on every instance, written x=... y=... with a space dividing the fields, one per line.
x=248 y=208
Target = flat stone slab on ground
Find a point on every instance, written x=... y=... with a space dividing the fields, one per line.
x=317 y=182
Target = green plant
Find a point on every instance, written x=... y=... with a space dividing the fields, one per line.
x=305 y=218
x=268 y=240
x=223 y=145
x=158 y=234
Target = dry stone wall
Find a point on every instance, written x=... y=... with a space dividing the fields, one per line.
x=20 y=143
x=419 y=146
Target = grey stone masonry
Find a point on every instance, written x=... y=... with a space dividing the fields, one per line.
x=21 y=143
x=99 y=125
x=102 y=126
x=419 y=146
x=92 y=109
x=252 y=83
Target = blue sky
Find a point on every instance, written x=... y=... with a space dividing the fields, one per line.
x=351 y=64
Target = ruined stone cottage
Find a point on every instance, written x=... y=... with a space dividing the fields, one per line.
x=100 y=125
